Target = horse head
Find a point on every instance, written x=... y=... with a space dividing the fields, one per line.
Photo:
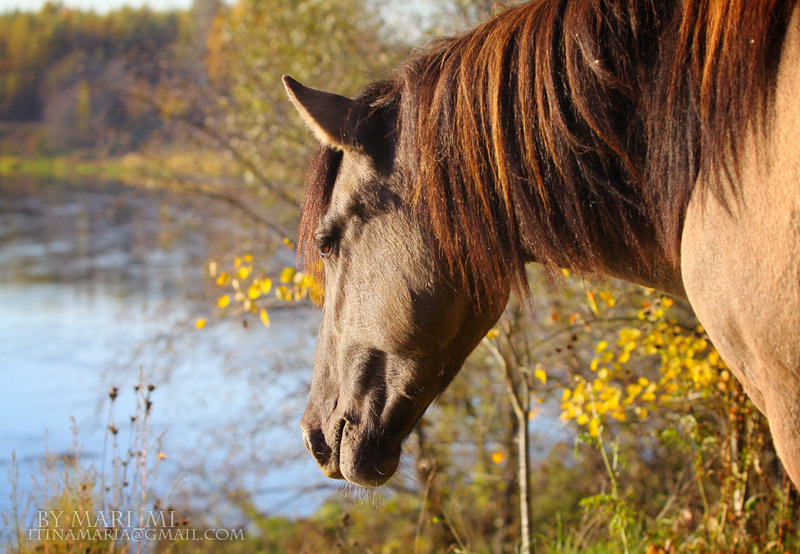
x=396 y=324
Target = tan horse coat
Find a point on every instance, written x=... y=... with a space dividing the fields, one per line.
x=741 y=264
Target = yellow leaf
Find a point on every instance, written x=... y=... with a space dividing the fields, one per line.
x=200 y=323
x=265 y=318
x=541 y=375
x=492 y=334
x=287 y=275
x=648 y=396
x=633 y=390
x=223 y=301
x=243 y=272
x=592 y=303
x=254 y=291
x=629 y=346
x=619 y=415
x=497 y=457
x=594 y=427
x=247 y=257
x=237 y=261
x=607 y=297
x=667 y=302
x=266 y=286
x=307 y=281
x=602 y=345
x=222 y=279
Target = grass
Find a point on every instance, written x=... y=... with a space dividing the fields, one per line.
x=132 y=168
x=77 y=506
x=56 y=167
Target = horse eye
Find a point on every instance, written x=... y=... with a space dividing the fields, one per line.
x=325 y=247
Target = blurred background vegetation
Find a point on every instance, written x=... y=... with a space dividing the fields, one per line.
x=639 y=439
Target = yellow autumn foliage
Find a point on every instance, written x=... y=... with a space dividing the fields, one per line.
x=250 y=290
x=687 y=365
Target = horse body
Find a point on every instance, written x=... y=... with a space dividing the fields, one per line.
x=741 y=264
x=656 y=142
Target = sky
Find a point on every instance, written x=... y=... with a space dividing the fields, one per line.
x=101 y=6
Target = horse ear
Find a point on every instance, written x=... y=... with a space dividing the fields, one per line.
x=331 y=117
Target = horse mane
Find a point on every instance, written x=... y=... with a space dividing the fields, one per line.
x=569 y=131
x=320 y=178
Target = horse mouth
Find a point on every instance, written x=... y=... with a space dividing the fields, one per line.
x=331 y=468
x=352 y=456
x=365 y=461
x=326 y=453
x=334 y=462
x=364 y=451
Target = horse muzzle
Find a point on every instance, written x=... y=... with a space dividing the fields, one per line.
x=349 y=453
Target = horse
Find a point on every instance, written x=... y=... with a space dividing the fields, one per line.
x=653 y=141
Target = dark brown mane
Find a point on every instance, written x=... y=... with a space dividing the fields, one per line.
x=320 y=177
x=570 y=131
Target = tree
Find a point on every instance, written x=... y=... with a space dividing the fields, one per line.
x=241 y=108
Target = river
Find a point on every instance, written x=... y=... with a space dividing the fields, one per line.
x=101 y=281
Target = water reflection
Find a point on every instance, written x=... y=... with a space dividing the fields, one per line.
x=97 y=280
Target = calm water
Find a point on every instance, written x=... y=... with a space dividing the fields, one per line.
x=98 y=281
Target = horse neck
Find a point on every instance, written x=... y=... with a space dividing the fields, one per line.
x=645 y=264
x=655 y=272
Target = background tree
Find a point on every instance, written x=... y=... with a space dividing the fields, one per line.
x=65 y=70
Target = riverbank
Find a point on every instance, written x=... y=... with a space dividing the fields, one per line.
x=132 y=169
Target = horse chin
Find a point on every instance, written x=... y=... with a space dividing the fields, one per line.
x=365 y=462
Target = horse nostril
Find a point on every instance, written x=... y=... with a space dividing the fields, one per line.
x=307 y=442
x=317 y=446
x=326 y=455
